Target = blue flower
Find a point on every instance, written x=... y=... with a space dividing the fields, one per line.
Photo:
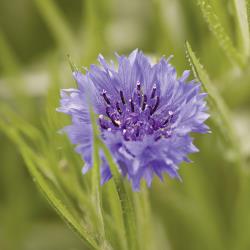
x=146 y=114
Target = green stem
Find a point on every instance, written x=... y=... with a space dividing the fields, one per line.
x=126 y=203
x=96 y=188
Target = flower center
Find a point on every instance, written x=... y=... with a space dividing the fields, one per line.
x=136 y=117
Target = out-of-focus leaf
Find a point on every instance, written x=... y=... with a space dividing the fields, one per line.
x=216 y=27
x=219 y=111
x=56 y=22
x=243 y=28
x=43 y=183
x=7 y=60
x=125 y=200
x=248 y=12
x=95 y=181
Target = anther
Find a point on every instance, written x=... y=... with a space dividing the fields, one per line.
x=118 y=108
x=108 y=112
x=101 y=122
x=168 y=120
x=138 y=85
x=132 y=105
x=156 y=105
x=116 y=123
x=105 y=97
x=144 y=102
x=137 y=132
x=153 y=92
x=122 y=97
x=158 y=138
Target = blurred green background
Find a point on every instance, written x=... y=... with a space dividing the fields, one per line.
x=35 y=38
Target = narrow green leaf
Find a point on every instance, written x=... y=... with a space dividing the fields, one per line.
x=243 y=28
x=56 y=23
x=125 y=199
x=95 y=185
x=23 y=126
x=144 y=220
x=93 y=38
x=8 y=59
x=219 y=32
x=113 y=200
x=219 y=110
x=42 y=183
x=248 y=13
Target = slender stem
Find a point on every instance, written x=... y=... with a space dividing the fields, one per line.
x=125 y=199
x=96 y=188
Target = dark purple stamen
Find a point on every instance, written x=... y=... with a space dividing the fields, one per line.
x=138 y=89
x=144 y=102
x=156 y=105
x=135 y=119
x=122 y=97
x=105 y=97
x=137 y=131
x=115 y=122
x=118 y=108
x=153 y=92
x=138 y=85
x=101 y=122
x=107 y=112
x=158 y=138
x=168 y=120
x=132 y=105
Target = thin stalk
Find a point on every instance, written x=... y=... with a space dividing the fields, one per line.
x=96 y=188
x=126 y=202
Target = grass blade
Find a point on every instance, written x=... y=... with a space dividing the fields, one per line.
x=8 y=60
x=56 y=23
x=248 y=12
x=95 y=183
x=125 y=199
x=45 y=188
x=243 y=28
x=219 y=32
x=219 y=110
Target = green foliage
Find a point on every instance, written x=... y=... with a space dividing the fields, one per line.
x=56 y=22
x=208 y=210
x=58 y=176
x=219 y=111
x=242 y=26
x=218 y=30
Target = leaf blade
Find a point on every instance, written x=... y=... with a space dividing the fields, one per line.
x=219 y=32
x=219 y=110
x=42 y=183
x=243 y=26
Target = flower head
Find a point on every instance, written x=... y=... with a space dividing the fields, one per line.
x=146 y=114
